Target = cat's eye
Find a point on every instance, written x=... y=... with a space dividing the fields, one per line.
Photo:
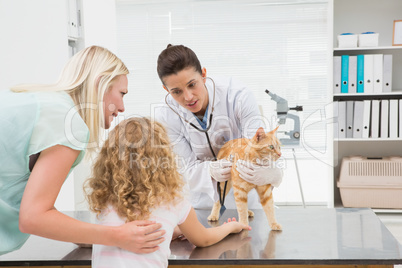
x=271 y=147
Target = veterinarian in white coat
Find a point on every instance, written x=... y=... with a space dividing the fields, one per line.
x=192 y=98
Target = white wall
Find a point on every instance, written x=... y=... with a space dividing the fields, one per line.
x=381 y=18
x=99 y=20
x=33 y=47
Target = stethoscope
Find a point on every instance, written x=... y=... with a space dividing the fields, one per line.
x=210 y=117
x=221 y=198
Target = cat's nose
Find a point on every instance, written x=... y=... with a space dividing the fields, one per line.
x=279 y=154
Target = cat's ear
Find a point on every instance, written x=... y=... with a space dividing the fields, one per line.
x=260 y=134
x=273 y=131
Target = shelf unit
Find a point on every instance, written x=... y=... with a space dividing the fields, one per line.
x=368 y=48
x=357 y=16
x=396 y=53
x=371 y=96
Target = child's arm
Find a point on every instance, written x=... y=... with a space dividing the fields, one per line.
x=200 y=236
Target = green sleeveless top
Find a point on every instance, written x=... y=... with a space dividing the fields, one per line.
x=30 y=123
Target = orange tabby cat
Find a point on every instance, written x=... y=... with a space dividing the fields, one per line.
x=263 y=146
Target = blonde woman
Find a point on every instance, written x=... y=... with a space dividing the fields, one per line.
x=135 y=178
x=45 y=131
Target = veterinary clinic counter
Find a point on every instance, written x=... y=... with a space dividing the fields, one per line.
x=312 y=237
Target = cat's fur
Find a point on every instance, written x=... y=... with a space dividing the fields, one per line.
x=263 y=146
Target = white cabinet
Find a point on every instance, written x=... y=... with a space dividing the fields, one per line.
x=358 y=16
x=74 y=20
x=75 y=34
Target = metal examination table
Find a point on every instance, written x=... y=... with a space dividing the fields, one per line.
x=312 y=237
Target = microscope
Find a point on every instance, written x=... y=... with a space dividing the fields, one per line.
x=282 y=109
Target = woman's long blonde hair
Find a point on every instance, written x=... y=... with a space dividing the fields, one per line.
x=135 y=171
x=86 y=77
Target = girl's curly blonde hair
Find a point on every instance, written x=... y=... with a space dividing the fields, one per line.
x=135 y=171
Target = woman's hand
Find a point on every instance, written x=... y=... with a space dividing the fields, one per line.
x=140 y=236
x=220 y=169
x=259 y=173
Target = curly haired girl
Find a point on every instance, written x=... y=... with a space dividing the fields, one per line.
x=135 y=177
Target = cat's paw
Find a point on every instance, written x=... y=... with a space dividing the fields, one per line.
x=213 y=217
x=250 y=214
x=276 y=226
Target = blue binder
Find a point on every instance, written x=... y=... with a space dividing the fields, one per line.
x=360 y=74
x=345 y=74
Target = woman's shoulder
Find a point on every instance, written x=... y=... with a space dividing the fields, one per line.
x=36 y=105
x=58 y=100
x=228 y=84
x=59 y=106
x=58 y=122
x=166 y=111
x=230 y=88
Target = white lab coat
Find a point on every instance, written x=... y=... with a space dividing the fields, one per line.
x=236 y=115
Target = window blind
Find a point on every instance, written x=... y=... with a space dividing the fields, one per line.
x=277 y=45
